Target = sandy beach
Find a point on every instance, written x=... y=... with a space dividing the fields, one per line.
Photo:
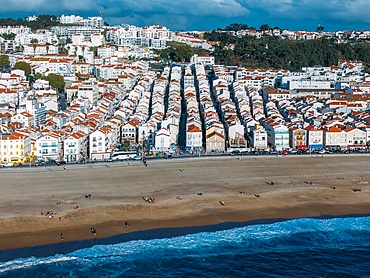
x=241 y=184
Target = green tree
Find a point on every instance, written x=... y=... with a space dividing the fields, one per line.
x=56 y=81
x=9 y=36
x=236 y=27
x=265 y=27
x=4 y=61
x=26 y=67
x=38 y=76
x=184 y=52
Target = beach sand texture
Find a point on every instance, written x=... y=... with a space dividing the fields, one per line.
x=242 y=184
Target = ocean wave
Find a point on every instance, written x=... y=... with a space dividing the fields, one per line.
x=264 y=248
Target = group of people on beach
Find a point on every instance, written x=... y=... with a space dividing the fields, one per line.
x=49 y=214
x=149 y=199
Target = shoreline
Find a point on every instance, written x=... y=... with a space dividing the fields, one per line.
x=117 y=191
x=155 y=233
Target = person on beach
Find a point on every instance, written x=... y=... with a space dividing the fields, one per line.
x=128 y=225
x=61 y=236
x=93 y=231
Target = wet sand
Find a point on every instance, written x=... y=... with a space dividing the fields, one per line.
x=117 y=191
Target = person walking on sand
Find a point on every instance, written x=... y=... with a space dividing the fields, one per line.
x=93 y=231
x=61 y=236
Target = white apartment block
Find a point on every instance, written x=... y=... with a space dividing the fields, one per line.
x=259 y=138
x=48 y=147
x=42 y=36
x=202 y=60
x=70 y=19
x=94 y=21
x=75 y=146
x=89 y=89
x=15 y=30
x=154 y=36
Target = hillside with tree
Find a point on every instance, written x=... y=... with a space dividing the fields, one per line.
x=275 y=52
x=42 y=21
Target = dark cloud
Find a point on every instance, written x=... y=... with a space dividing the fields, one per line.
x=204 y=14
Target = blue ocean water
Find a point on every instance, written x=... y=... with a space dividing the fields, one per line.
x=307 y=247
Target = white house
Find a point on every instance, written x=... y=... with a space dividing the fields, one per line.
x=194 y=138
x=163 y=140
x=75 y=146
x=48 y=147
x=356 y=138
x=215 y=141
x=335 y=137
x=277 y=135
x=315 y=137
x=101 y=142
x=202 y=59
x=259 y=138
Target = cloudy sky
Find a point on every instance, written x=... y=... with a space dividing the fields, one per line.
x=206 y=14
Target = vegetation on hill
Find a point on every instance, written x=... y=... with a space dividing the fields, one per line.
x=4 y=62
x=179 y=52
x=42 y=21
x=26 y=67
x=275 y=52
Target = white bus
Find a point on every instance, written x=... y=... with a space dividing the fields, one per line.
x=121 y=155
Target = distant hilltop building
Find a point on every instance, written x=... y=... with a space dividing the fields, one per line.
x=154 y=36
x=31 y=18
x=70 y=19
x=94 y=21
x=202 y=59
